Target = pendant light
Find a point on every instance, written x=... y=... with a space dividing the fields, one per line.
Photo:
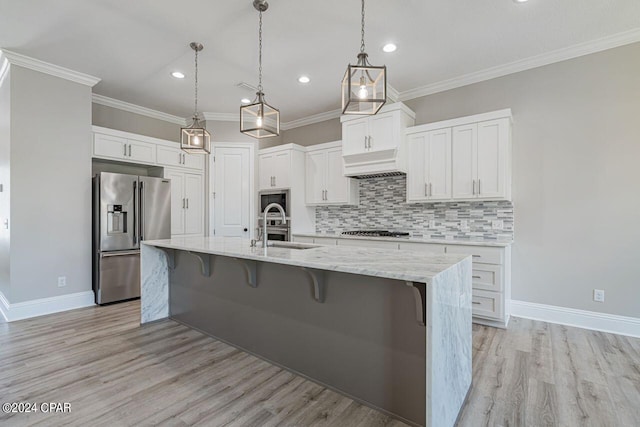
x=364 y=86
x=195 y=138
x=259 y=119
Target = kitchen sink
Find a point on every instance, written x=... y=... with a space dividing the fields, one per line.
x=291 y=245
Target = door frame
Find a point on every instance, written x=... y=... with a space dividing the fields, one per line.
x=253 y=152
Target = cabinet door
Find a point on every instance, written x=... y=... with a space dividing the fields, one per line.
x=354 y=136
x=281 y=169
x=194 y=212
x=464 y=146
x=139 y=151
x=438 y=164
x=492 y=154
x=194 y=161
x=315 y=174
x=265 y=171
x=382 y=131
x=109 y=146
x=169 y=156
x=337 y=185
x=177 y=201
x=416 y=177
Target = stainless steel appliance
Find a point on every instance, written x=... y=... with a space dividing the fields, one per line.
x=126 y=210
x=278 y=230
x=280 y=197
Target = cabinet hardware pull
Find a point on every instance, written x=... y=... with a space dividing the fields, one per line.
x=430 y=190
x=474 y=187
x=187 y=203
x=365 y=142
x=183 y=203
x=125 y=150
x=476 y=277
x=475 y=256
x=274 y=181
x=474 y=302
x=426 y=191
x=479 y=187
x=369 y=142
x=129 y=150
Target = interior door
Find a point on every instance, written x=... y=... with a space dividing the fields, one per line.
x=439 y=164
x=231 y=183
x=465 y=161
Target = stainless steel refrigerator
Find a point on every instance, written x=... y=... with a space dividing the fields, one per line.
x=126 y=210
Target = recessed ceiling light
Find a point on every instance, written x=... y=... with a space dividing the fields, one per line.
x=304 y=79
x=520 y=1
x=178 y=75
x=245 y=100
x=389 y=47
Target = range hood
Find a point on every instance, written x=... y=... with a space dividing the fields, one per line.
x=375 y=146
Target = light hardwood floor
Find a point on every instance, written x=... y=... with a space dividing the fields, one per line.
x=114 y=372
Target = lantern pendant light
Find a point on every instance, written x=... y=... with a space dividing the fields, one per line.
x=259 y=119
x=195 y=138
x=364 y=86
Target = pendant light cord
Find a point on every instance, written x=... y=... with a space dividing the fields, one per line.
x=196 y=94
x=362 y=42
x=260 y=55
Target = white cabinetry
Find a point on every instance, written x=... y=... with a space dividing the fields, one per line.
x=187 y=202
x=462 y=159
x=429 y=166
x=375 y=144
x=274 y=169
x=175 y=157
x=325 y=182
x=118 y=148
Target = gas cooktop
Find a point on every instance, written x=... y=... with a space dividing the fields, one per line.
x=375 y=233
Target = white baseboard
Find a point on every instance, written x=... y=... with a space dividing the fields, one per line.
x=612 y=323
x=43 y=306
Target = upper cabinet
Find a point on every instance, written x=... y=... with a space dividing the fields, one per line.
x=325 y=182
x=462 y=159
x=131 y=148
x=275 y=169
x=375 y=144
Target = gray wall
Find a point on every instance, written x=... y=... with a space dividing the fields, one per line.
x=575 y=175
x=5 y=152
x=51 y=189
x=317 y=133
x=126 y=121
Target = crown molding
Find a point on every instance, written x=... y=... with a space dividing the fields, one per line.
x=309 y=120
x=392 y=93
x=552 y=57
x=222 y=117
x=137 y=109
x=51 y=69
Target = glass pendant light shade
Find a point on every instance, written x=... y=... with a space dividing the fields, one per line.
x=259 y=119
x=364 y=87
x=195 y=138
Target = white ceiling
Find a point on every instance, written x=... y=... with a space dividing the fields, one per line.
x=134 y=45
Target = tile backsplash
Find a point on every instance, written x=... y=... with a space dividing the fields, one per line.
x=383 y=206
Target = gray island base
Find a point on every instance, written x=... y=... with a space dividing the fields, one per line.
x=390 y=329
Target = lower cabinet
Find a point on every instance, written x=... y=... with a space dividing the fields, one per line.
x=491 y=271
x=187 y=202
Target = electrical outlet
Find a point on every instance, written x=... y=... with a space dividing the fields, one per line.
x=62 y=281
x=598 y=295
x=497 y=224
x=464 y=224
x=432 y=223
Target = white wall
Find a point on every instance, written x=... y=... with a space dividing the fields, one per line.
x=5 y=151
x=51 y=185
x=113 y=118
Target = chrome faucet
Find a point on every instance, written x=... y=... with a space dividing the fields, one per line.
x=264 y=221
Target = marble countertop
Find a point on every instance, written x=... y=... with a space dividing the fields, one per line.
x=398 y=264
x=493 y=243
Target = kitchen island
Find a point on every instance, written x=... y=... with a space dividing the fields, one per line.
x=391 y=329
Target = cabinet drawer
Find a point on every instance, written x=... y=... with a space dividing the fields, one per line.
x=422 y=247
x=325 y=241
x=480 y=253
x=488 y=304
x=488 y=277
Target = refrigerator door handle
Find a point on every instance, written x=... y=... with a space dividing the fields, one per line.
x=141 y=215
x=118 y=253
x=135 y=239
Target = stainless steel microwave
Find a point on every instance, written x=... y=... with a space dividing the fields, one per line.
x=280 y=197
